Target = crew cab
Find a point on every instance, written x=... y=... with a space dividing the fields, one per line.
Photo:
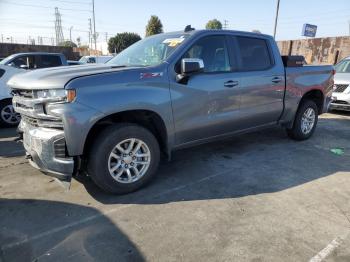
x=19 y=63
x=165 y=92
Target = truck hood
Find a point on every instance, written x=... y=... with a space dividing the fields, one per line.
x=342 y=78
x=58 y=77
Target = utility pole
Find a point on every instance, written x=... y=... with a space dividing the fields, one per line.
x=349 y=27
x=93 y=18
x=106 y=35
x=225 y=24
x=276 y=18
x=70 y=33
x=90 y=35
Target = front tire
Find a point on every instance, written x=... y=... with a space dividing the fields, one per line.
x=305 y=121
x=8 y=116
x=123 y=158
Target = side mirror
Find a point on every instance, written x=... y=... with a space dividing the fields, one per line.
x=24 y=67
x=189 y=66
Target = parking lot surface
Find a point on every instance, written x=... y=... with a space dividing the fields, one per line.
x=256 y=197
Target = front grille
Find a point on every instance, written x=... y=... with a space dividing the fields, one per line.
x=340 y=88
x=30 y=120
x=23 y=93
x=32 y=109
x=60 y=148
x=34 y=122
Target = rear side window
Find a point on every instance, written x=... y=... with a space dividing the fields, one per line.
x=254 y=54
x=49 y=61
x=2 y=72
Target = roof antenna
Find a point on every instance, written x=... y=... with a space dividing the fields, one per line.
x=188 y=28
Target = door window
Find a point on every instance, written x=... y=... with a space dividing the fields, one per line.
x=49 y=61
x=253 y=54
x=27 y=62
x=213 y=51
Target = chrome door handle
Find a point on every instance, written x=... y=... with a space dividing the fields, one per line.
x=231 y=83
x=276 y=79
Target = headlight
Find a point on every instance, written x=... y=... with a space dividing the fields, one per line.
x=59 y=94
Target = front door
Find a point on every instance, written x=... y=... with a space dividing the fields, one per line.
x=208 y=104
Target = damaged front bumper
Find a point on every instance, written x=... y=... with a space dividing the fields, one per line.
x=46 y=151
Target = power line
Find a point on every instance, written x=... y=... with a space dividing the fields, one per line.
x=71 y=2
x=47 y=7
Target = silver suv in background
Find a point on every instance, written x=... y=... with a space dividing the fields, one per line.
x=341 y=90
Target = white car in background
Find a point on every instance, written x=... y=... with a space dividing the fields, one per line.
x=8 y=117
x=341 y=90
x=16 y=64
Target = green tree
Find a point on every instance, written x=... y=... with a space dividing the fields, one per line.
x=122 y=41
x=67 y=43
x=213 y=24
x=154 y=26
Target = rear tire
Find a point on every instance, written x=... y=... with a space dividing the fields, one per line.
x=305 y=121
x=123 y=158
x=8 y=117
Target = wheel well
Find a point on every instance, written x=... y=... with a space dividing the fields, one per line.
x=148 y=119
x=315 y=96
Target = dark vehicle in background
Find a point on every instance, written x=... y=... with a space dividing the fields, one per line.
x=73 y=62
x=165 y=92
x=19 y=63
x=341 y=90
x=95 y=59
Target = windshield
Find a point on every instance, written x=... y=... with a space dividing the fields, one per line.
x=149 y=51
x=343 y=66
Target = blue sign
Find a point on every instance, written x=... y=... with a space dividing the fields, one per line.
x=309 y=30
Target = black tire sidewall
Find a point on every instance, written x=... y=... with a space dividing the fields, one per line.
x=103 y=146
x=4 y=103
x=296 y=132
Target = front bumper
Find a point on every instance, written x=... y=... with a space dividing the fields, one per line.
x=42 y=146
x=340 y=101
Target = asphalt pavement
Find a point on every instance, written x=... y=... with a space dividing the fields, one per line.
x=255 y=197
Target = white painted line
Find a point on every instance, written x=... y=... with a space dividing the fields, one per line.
x=101 y=214
x=320 y=256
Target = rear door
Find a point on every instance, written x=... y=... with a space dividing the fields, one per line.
x=45 y=61
x=261 y=81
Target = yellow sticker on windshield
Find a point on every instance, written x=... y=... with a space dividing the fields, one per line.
x=172 y=42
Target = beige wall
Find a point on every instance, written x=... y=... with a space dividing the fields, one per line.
x=318 y=50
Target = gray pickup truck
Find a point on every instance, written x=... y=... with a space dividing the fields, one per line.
x=165 y=92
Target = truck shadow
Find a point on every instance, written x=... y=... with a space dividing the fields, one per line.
x=250 y=164
x=37 y=230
